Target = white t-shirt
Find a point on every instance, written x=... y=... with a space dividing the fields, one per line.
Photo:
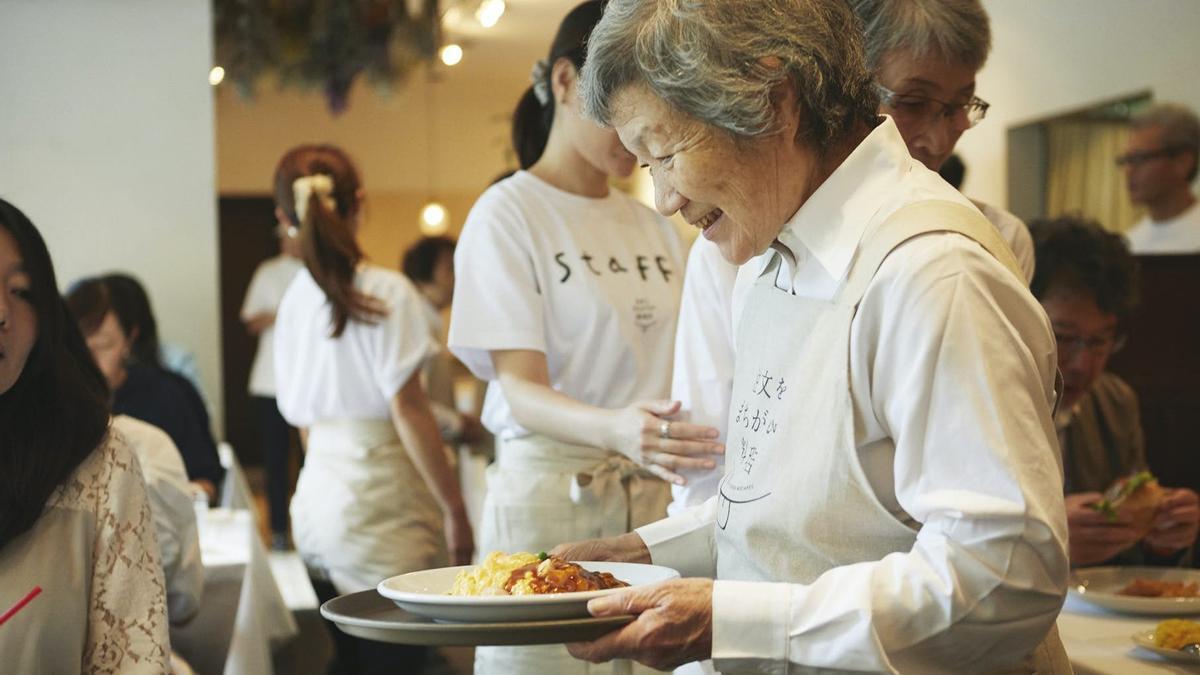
x=594 y=284
x=1015 y=233
x=356 y=375
x=1179 y=235
x=267 y=286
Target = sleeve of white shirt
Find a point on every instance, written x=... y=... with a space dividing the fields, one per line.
x=402 y=342
x=256 y=300
x=957 y=362
x=685 y=542
x=497 y=301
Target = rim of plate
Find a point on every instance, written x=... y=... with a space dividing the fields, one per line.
x=503 y=600
x=1145 y=640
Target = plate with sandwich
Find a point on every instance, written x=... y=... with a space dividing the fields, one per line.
x=1137 y=590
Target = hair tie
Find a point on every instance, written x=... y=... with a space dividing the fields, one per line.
x=541 y=83
x=317 y=184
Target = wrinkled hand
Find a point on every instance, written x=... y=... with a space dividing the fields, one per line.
x=1177 y=521
x=635 y=434
x=627 y=547
x=673 y=625
x=460 y=541
x=1093 y=537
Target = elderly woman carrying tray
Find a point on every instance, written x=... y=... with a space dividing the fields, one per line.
x=892 y=498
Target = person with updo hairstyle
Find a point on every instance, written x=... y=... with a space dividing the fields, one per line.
x=566 y=302
x=81 y=583
x=377 y=496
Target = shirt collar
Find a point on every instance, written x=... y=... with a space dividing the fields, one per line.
x=832 y=222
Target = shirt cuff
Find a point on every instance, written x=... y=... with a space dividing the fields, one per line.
x=750 y=626
x=684 y=542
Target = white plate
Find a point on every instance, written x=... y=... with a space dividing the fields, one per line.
x=426 y=593
x=1099 y=586
x=1145 y=640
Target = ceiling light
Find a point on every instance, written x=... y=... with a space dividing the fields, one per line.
x=489 y=12
x=433 y=219
x=216 y=75
x=451 y=54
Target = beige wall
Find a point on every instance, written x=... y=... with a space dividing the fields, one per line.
x=106 y=142
x=1049 y=58
x=390 y=225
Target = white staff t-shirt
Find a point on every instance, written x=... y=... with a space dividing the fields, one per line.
x=593 y=284
x=356 y=375
x=267 y=286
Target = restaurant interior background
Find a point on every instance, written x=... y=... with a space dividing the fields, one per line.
x=115 y=143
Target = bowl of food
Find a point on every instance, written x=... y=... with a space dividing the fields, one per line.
x=1174 y=639
x=1138 y=590
x=516 y=587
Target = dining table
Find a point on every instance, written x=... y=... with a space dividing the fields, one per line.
x=1100 y=642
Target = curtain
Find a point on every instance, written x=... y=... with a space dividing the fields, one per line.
x=1081 y=176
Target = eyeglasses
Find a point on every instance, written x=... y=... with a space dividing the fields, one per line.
x=1140 y=157
x=1100 y=345
x=919 y=106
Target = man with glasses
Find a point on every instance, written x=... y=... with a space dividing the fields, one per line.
x=925 y=54
x=1160 y=165
x=1086 y=281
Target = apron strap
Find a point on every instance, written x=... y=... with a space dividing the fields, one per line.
x=914 y=220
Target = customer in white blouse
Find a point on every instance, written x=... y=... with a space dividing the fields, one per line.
x=81 y=585
x=377 y=496
x=891 y=500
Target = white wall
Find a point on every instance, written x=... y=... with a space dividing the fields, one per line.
x=1054 y=56
x=106 y=142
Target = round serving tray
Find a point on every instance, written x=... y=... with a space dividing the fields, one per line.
x=370 y=616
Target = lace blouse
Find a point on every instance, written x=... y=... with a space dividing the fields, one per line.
x=94 y=555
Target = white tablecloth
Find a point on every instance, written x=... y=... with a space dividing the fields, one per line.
x=1098 y=642
x=242 y=612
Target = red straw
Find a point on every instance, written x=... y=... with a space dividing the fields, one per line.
x=20 y=604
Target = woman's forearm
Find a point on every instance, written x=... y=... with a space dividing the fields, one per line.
x=419 y=434
x=542 y=409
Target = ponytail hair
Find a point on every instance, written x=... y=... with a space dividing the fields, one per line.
x=317 y=188
x=535 y=111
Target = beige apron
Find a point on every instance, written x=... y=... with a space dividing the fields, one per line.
x=362 y=512
x=542 y=493
x=787 y=519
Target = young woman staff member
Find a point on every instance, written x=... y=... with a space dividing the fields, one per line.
x=81 y=585
x=376 y=491
x=566 y=301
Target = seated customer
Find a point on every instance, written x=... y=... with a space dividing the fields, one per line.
x=174 y=515
x=78 y=563
x=145 y=391
x=1086 y=280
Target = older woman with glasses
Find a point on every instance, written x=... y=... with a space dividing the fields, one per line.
x=1087 y=282
x=892 y=496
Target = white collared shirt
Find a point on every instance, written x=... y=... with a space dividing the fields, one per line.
x=953 y=427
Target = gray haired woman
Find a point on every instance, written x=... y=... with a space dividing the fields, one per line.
x=892 y=497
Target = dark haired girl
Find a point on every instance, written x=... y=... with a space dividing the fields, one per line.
x=78 y=559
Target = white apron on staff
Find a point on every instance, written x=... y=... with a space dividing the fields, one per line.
x=543 y=492
x=784 y=518
x=362 y=512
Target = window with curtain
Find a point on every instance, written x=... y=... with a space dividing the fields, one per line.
x=1081 y=175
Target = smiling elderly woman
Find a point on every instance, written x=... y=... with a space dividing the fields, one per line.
x=892 y=496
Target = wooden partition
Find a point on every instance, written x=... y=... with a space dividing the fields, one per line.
x=1162 y=364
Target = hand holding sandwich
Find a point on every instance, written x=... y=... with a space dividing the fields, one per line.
x=1176 y=523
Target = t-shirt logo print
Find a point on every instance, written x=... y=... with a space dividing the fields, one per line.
x=643 y=314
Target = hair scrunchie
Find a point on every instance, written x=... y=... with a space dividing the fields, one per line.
x=317 y=184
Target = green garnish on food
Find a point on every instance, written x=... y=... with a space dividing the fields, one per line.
x=542 y=556
x=1118 y=493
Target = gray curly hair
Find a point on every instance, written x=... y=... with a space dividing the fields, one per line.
x=718 y=63
x=956 y=30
